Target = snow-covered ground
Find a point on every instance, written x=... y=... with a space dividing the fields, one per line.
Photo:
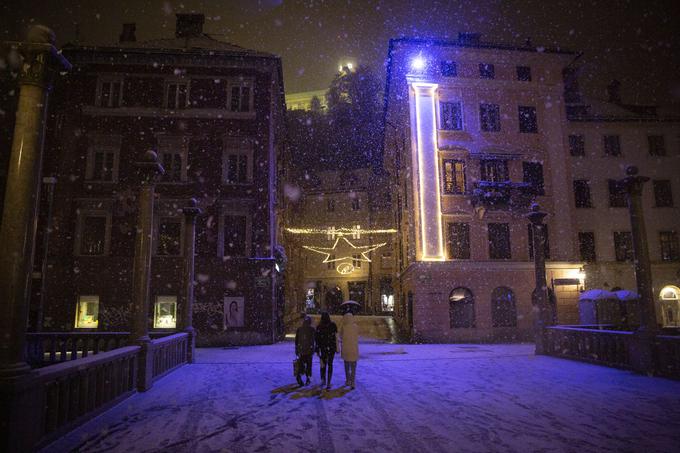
x=463 y=398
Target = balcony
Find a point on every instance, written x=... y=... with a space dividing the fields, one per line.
x=511 y=196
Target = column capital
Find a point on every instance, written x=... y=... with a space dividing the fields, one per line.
x=536 y=216
x=40 y=61
x=633 y=183
x=148 y=169
x=192 y=211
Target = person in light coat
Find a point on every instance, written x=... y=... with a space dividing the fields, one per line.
x=349 y=337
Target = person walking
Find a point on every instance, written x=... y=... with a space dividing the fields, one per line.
x=304 y=349
x=349 y=335
x=326 y=347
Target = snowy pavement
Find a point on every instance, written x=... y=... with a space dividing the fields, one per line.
x=462 y=398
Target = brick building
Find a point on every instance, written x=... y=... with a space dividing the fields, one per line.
x=213 y=113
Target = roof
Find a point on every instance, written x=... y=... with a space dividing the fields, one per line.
x=478 y=45
x=597 y=110
x=203 y=43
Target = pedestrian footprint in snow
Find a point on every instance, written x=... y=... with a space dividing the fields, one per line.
x=304 y=350
x=349 y=336
x=326 y=348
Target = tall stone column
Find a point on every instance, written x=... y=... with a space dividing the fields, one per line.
x=149 y=170
x=543 y=312
x=41 y=61
x=190 y=213
x=642 y=348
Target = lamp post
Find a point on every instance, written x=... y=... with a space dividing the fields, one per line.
x=190 y=213
x=642 y=348
x=149 y=170
x=543 y=313
x=41 y=62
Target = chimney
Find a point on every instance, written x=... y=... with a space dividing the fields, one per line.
x=128 y=33
x=189 y=25
x=614 y=92
x=572 y=93
x=470 y=39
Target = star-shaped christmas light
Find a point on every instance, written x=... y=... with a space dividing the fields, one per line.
x=363 y=250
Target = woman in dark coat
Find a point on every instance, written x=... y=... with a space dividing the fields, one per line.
x=326 y=347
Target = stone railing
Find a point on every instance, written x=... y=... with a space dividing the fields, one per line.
x=47 y=348
x=55 y=399
x=168 y=353
x=606 y=347
x=668 y=356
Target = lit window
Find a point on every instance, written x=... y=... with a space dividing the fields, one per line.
x=493 y=170
x=356 y=260
x=177 y=95
x=240 y=97
x=165 y=312
x=87 y=312
x=670 y=306
x=454 y=176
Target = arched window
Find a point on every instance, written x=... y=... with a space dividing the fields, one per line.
x=670 y=306
x=503 y=307
x=461 y=308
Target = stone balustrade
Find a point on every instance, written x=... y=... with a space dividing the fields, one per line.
x=168 y=353
x=48 y=348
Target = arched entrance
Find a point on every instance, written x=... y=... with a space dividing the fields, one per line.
x=669 y=300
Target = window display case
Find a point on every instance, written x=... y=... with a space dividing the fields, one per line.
x=165 y=312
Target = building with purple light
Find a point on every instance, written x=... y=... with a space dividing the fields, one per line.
x=475 y=132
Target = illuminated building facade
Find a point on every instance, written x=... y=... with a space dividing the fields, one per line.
x=474 y=132
x=307 y=100
x=339 y=240
x=477 y=131
x=213 y=112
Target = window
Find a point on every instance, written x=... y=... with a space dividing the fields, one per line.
x=386 y=294
x=454 y=176
x=172 y=164
x=330 y=265
x=94 y=231
x=103 y=159
x=617 y=194
x=169 y=242
x=386 y=260
x=582 y=193
x=577 y=145
x=235 y=241
x=110 y=93
x=499 y=241
x=527 y=119
x=357 y=291
x=546 y=248
x=177 y=95
x=237 y=165
x=503 y=308
x=486 y=71
x=172 y=151
x=670 y=306
x=533 y=175
x=461 y=308
x=356 y=204
x=524 y=73
x=458 y=241
x=356 y=260
x=657 y=145
x=670 y=249
x=330 y=205
x=450 y=116
x=449 y=68
x=586 y=246
x=240 y=98
x=612 y=145
x=490 y=117
x=623 y=245
x=165 y=312
x=663 y=195
x=87 y=312
x=493 y=170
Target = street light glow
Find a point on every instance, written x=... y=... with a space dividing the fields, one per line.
x=418 y=63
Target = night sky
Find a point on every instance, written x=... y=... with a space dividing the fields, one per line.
x=634 y=41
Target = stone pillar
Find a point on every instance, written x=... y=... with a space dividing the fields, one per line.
x=148 y=170
x=543 y=312
x=17 y=233
x=642 y=348
x=190 y=214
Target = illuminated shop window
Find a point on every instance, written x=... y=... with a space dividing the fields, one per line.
x=87 y=312
x=165 y=312
x=670 y=306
